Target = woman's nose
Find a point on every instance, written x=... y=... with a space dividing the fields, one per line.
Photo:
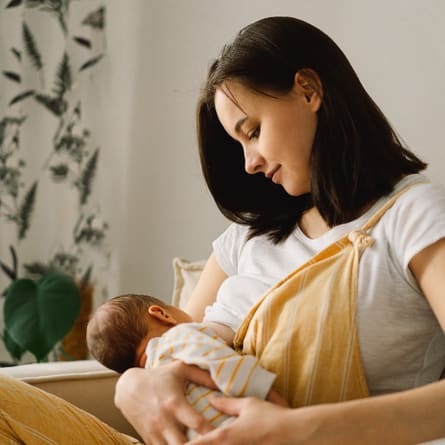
x=253 y=161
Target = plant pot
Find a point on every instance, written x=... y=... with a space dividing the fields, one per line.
x=74 y=344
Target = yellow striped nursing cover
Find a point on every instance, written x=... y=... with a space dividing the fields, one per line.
x=304 y=328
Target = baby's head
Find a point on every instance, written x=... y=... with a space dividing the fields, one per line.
x=120 y=329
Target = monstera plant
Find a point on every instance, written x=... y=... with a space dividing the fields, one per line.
x=37 y=314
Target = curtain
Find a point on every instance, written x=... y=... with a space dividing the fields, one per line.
x=52 y=212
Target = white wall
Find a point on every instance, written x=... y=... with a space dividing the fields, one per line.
x=159 y=51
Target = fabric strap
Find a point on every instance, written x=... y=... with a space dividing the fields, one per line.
x=304 y=328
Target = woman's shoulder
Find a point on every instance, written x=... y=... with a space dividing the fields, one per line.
x=234 y=234
x=417 y=218
x=228 y=247
x=416 y=205
x=419 y=192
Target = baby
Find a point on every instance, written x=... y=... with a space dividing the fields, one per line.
x=141 y=331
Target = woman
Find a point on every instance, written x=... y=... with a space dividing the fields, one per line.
x=295 y=151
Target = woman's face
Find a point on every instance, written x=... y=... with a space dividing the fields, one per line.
x=276 y=133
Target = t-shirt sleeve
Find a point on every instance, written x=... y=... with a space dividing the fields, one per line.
x=418 y=221
x=227 y=247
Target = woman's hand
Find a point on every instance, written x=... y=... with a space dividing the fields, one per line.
x=258 y=422
x=275 y=397
x=153 y=402
x=412 y=416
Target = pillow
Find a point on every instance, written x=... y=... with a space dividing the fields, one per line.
x=186 y=275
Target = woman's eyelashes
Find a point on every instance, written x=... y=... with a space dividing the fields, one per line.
x=254 y=133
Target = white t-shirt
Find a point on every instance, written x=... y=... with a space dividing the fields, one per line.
x=402 y=343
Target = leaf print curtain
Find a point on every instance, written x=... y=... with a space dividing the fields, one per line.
x=51 y=217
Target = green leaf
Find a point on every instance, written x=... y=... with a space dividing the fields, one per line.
x=45 y=5
x=12 y=76
x=63 y=77
x=39 y=314
x=91 y=62
x=14 y=260
x=21 y=96
x=73 y=145
x=14 y=3
x=25 y=211
x=31 y=47
x=62 y=22
x=13 y=348
x=11 y=272
x=87 y=176
x=82 y=42
x=59 y=172
x=8 y=271
x=17 y=54
x=13 y=120
x=36 y=269
x=56 y=105
x=59 y=8
x=95 y=19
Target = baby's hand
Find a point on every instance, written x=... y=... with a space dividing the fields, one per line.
x=274 y=397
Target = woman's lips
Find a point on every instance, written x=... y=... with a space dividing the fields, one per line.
x=276 y=175
x=269 y=175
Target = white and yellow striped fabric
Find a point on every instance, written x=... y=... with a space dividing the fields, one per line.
x=304 y=329
x=234 y=374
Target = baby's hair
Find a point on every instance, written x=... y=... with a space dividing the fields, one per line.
x=117 y=328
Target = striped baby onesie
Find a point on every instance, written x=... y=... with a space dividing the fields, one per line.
x=235 y=375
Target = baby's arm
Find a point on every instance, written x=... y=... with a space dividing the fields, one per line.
x=228 y=335
x=234 y=374
x=222 y=331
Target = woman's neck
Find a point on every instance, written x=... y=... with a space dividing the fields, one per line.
x=312 y=224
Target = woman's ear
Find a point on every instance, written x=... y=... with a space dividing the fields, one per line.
x=161 y=314
x=308 y=83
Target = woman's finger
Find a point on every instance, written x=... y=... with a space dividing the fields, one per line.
x=198 y=376
x=228 y=405
x=175 y=435
x=188 y=416
x=166 y=432
x=275 y=397
x=154 y=440
x=216 y=437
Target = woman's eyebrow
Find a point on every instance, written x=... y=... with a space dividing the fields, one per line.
x=239 y=124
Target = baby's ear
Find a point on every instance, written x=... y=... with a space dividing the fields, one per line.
x=162 y=314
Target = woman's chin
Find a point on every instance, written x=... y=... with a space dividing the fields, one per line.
x=294 y=190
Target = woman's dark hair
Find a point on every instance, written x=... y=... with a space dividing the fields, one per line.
x=117 y=328
x=356 y=155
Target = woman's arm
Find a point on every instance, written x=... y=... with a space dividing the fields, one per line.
x=428 y=267
x=406 y=418
x=205 y=291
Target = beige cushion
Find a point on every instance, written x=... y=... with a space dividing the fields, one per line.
x=186 y=274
